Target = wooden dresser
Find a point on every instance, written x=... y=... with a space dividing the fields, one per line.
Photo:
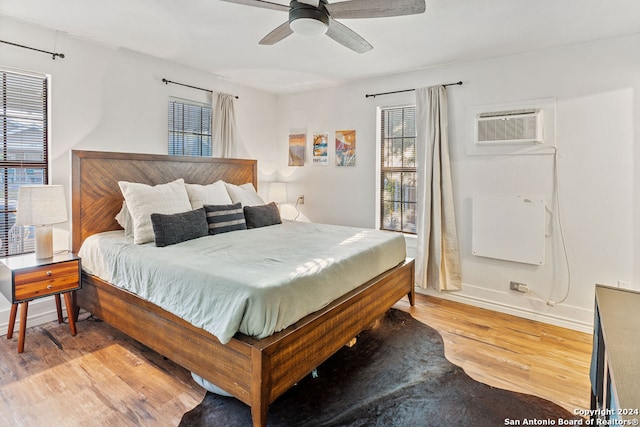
x=615 y=364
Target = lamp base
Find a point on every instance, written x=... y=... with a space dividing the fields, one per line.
x=44 y=241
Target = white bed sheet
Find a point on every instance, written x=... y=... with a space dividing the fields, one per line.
x=256 y=281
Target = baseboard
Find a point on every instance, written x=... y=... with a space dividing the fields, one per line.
x=520 y=305
x=40 y=311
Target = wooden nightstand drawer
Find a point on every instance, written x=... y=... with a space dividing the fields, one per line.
x=46 y=273
x=46 y=280
x=46 y=287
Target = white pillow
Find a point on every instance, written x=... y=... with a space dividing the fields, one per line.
x=245 y=194
x=143 y=200
x=212 y=194
x=124 y=220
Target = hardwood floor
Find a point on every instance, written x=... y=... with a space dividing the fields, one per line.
x=510 y=352
x=101 y=377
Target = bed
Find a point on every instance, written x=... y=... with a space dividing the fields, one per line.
x=255 y=371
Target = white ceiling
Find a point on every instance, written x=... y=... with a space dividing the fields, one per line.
x=222 y=38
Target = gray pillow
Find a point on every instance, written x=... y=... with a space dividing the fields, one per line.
x=262 y=216
x=169 y=229
x=225 y=218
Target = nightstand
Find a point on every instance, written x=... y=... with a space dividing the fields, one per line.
x=24 y=278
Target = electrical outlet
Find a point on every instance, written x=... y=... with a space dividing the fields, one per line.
x=301 y=199
x=517 y=286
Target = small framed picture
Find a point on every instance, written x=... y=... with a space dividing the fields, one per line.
x=345 y=147
x=320 y=149
x=297 y=146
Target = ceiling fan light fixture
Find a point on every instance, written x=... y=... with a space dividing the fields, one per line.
x=308 y=27
x=308 y=20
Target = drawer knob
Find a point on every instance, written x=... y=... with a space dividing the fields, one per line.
x=50 y=286
x=49 y=273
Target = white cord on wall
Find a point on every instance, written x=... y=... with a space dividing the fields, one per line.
x=549 y=301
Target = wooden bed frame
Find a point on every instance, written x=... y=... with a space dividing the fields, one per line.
x=254 y=371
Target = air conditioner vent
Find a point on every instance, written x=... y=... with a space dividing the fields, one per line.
x=509 y=127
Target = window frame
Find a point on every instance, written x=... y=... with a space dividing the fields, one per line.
x=382 y=170
x=9 y=168
x=202 y=150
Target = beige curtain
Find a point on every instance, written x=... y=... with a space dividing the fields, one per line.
x=223 y=123
x=437 y=255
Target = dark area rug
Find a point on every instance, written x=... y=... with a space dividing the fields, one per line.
x=396 y=375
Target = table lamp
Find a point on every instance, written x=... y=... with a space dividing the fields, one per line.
x=278 y=192
x=41 y=206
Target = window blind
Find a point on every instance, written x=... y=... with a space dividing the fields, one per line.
x=189 y=129
x=398 y=169
x=24 y=153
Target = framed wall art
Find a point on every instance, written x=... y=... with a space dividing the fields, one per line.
x=297 y=147
x=320 y=149
x=345 y=147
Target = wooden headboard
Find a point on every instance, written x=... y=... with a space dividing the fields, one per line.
x=96 y=196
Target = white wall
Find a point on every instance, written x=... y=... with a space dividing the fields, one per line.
x=114 y=100
x=596 y=88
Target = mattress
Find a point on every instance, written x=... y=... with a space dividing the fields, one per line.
x=256 y=282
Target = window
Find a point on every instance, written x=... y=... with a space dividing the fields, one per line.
x=398 y=169
x=24 y=156
x=189 y=128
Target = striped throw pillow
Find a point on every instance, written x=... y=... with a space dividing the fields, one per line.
x=225 y=218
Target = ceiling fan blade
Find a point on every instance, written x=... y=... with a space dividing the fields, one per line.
x=281 y=31
x=347 y=37
x=375 y=8
x=260 y=3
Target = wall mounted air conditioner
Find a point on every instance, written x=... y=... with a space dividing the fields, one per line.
x=509 y=127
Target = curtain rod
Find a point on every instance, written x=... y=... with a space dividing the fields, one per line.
x=53 y=54
x=165 y=81
x=373 y=95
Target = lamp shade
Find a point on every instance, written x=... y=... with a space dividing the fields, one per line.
x=41 y=205
x=278 y=192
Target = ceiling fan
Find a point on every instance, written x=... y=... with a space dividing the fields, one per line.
x=315 y=17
